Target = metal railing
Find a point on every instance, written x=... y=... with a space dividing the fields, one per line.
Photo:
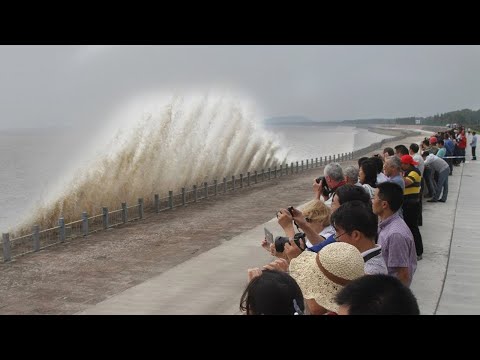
x=38 y=240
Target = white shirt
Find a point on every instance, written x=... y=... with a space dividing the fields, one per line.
x=325 y=233
x=375 y=265
x=381 y=177
x=421 y=166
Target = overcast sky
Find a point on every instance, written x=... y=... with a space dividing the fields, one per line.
x=53 y=85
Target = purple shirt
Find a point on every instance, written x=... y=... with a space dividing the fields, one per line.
x=398 y=247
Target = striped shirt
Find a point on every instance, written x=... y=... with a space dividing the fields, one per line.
x=414 y=188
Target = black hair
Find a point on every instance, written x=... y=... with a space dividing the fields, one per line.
x=350 y=192
x=272 y=293
x=402 y=149
x=414 y=147
x=369 y=168
x=441 y=142
x=378 y=294
x=356 y=215
x=361 y=160
x=389 y=151
x=378 y=161
x=391 y=193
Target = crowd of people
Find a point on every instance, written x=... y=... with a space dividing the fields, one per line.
x=353 y=249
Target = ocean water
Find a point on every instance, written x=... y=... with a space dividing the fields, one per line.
x=53 y=172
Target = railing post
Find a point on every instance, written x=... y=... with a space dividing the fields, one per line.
x=301 y=167
x=105 y=218
x=224 y=185
x=140 y=208
x=61 y=231
x=333 y=157
x=281 y=170
x=6 y=247
x=248 y=178
x=184 y=197
x=316 y=162
x=291 y=168
x=157 y=203
x=269 y=174
x=205 y=186
x=297 y=168
x=321 y=163
x=311 y=163
x=263 y=175
x=325 y=161
x=286 y=169
x=338 y=157
x=170 y=199
x=241 y=181
x=124 y=212
x=233 y=182
x=329 y=159
x=194 y=193
x=85 y=223
x=255 y=176
x=276 y=171
x=215 y=183
x=36 y=238
x=307 y=164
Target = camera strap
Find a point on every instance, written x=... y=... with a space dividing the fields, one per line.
x=371 y=255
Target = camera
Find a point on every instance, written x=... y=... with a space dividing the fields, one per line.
x=280 y=241
x=325 y=188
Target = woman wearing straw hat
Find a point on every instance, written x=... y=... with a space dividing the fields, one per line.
x=321 y=275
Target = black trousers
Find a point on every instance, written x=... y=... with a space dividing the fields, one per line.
x=411 y=210
x=474 y=157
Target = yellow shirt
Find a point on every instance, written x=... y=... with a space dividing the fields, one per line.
x=414 y=188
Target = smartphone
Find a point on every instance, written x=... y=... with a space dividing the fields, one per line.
x=268 y=236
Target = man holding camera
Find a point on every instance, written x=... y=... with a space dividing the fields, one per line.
x=327 y=185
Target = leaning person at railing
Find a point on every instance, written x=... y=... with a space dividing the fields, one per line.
x=333 y=178
x=344 y=194
x=378 y=161
x=315 y=216
x=367 y=176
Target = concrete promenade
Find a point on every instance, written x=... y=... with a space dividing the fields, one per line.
x=447 y=280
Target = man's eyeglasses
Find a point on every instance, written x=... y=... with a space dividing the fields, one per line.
x=337 y=236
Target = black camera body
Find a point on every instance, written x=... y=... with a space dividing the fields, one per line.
x=325 y=188
x=280 y=241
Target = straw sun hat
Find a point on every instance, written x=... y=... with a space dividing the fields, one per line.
x=320 y=276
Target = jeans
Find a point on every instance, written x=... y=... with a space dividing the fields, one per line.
x=442 y=183
x=428 y=174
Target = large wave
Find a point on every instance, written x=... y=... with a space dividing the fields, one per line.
x=161 y=144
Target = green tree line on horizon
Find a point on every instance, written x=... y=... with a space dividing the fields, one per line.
x=465 y=117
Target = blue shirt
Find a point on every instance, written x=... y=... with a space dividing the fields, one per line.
x=317 y=247
x=450 y=146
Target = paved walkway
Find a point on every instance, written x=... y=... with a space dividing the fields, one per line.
x=447 y=280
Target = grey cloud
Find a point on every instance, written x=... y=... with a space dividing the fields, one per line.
x=47 y=85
